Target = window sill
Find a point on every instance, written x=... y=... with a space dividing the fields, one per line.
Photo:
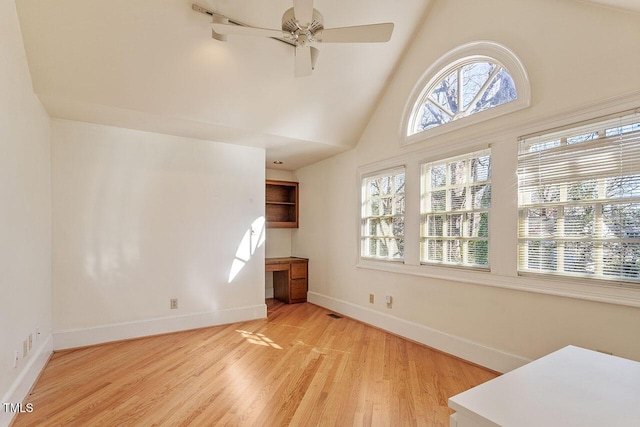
x=589 y=290
x=380 y=261
x=456 y=267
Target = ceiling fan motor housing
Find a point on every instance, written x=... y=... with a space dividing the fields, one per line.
x=302 y=35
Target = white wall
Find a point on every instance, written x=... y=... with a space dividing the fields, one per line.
x=140 y=218
x=570 y=50
x=25 y=218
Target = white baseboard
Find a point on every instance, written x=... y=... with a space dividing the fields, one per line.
x=20 y=388
x=474 y=352
x=121 y=331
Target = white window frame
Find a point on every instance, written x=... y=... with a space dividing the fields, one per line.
x=367 y=214
x=466 y=212
x=503 y=222
x=472 y=52
x=551 y=160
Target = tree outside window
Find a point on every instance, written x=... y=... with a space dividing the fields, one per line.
x=456 y=197
x=382 y=219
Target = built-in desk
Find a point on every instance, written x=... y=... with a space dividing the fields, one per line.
x=570 y=387
x=290 y=278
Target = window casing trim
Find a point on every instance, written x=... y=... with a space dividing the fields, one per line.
x=505 y=277
x=471 y=52
x=464 y=212
x=365 y=216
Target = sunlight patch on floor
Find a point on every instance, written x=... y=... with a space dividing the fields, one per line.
x=258 y=339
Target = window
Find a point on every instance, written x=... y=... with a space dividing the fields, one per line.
x=456 y=197
x=579 y=201
x=468 y=88
x=382 y=218
x=473 y=78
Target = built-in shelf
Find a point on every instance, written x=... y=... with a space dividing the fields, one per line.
x=281 y=208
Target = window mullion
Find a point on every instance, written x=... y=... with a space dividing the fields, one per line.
x=560 y=245
x=466 y=232
x=465 y=240
x=484 y=87
x=598 y=250
x=460 y=97
x=446 y=243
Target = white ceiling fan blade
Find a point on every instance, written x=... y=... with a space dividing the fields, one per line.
x=359 y=34
x=303 y=11
x=245 y=31
x=303 y=61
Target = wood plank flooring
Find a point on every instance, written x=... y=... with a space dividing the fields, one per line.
x=298 y=367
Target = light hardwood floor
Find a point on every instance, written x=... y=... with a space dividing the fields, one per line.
x=298 y=367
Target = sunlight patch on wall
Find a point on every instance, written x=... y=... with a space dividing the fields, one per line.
x=253 y=238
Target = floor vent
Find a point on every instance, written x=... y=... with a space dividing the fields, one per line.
x=335 y=316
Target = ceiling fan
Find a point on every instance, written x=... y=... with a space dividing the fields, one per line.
x=302 y=27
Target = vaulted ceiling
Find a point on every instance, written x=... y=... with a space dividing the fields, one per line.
x=629 y=5
x=152 y=65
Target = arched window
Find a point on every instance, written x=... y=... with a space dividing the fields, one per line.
x=472 y=79
x=467 y=89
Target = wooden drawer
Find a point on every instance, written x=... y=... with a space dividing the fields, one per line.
x=298 y=270
x=298 y=289
x=290 y=280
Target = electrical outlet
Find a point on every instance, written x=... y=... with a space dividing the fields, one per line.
x=30 y=341
x=174 y=303
x=389 y=300
x=25 y=348
x=16 y=356
x=371 y=298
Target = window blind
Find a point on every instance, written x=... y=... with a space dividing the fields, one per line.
x=579 y=200
x=456 y=198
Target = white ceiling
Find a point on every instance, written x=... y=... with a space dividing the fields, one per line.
x=152 y=65
x=629 y=5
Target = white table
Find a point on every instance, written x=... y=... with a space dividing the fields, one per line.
x=570 y=387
